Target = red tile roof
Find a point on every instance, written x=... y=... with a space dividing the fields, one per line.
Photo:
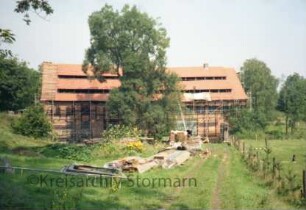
x=87 y=84
x=231 y=82
x=75 y=70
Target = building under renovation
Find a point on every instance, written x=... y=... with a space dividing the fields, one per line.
x=75 y=102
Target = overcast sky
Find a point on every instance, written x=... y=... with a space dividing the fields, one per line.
x=217 y=32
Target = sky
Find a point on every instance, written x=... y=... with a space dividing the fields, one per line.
x=217 y=32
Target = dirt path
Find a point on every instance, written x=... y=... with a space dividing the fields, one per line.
x=222 y=172
x=189 y=174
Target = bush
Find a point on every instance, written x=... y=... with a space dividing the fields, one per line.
x=135 y=146
x=33 y=122
x=69 y=151
x=117 y=132
x=247 y=123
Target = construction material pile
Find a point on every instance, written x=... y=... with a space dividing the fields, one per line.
x=165 y=159
x=181 y=148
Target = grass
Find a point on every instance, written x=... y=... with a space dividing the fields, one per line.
x=222 y=180
x=283 y=150
x=242 y=190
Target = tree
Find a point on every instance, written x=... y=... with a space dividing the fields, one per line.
x=23 y=7
x=292 y=100
x=37 y=6
x=133 y=42
x=18 y=84
x=33 y=122
x=262 y=85
x=6 y=36
x=246 y=122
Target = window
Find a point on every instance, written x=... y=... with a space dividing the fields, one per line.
x=84 y=77
x=203 y=78
x=209 y=90
x=85 y=91
x=72 y=76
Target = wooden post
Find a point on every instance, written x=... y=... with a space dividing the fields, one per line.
x=257 y=160
x=304 y=183
x=273 y=168
x=243 y=148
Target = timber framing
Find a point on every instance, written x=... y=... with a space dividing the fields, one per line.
x=75 y=103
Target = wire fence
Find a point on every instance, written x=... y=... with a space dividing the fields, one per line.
x=261 y=161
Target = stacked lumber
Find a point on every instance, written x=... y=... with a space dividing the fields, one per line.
x=165 y=159
x=132 y=164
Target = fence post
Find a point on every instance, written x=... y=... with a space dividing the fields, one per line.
x=243 y=148
x=273 y=168
x=257 y=161
x=304 y=183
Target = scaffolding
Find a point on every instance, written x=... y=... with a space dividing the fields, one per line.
x=209 y=118
x=78 y=120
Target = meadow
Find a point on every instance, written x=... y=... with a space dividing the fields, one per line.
x=221 y=181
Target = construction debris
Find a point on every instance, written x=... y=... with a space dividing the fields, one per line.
x=132 y=164
x=181 y=147
x=177 y=136
x=206 y=140
x=91 y=141
x=176 y=158
x=74 y=169
x=165 y=159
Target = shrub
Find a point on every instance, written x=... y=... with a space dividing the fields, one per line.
x=117 y=132
x=135 y=146
x=69 y=151
x=33 y=122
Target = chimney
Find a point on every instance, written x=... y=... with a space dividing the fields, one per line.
x=205 y=65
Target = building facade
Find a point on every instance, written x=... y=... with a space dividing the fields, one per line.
x=75 y=101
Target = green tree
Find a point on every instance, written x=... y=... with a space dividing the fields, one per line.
x=19 y=84
x=24 y=6
x=262 y=85
x=33 y=122
x=135 y=43
x=247 y=121
x=38 y=6
x=7 y=37
x=292 y=100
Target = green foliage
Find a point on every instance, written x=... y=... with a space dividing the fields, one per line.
x=66 y=198
x=135 y=43
x=262 y=85
x=33 y=122
x=69 y=151
x=117 y=132
x=128 y=39
x=18 y=84
x=247 y=123
x=292 y=100
x=12 y=196
x=24 y=6
x=6 y=36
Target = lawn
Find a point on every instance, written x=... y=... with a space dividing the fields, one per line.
x=283 y=150
x=221 y=181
